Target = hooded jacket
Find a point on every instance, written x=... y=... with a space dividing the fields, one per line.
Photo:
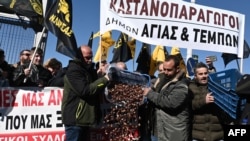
x=80 y=105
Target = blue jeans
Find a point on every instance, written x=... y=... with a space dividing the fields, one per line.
x=76 y=133
x=153 y=138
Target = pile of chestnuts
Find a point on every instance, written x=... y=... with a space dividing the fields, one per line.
x=122 y=122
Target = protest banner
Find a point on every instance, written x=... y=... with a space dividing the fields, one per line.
x=34 y=114
x=31 y=114
x=175 y=23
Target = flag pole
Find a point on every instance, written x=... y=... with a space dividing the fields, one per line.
x=34 y=53
x=133 y=63
x=189 y=50
x=241 y=65
x=133 y=58
x=100 y=44
x=241 y=44
x=238 y=63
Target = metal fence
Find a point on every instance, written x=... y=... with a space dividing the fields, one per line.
x=15 y=35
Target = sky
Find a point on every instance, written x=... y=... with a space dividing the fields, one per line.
x=86 y=19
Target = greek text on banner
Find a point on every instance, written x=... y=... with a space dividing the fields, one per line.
x=31 y=114
x=175 y=23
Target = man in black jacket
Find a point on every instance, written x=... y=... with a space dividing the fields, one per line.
x=80 y=104
x=37 y=75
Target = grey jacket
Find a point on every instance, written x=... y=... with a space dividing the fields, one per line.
x=172 y=111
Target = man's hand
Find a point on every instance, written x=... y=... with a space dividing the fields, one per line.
x=209 y=98
x=27 y=72
x=107 y=77
x=102 y=70
x=146 y=90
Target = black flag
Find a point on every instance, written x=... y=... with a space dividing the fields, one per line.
x=31 y=9
x=58 y=20
x=228 y=57
x=26 y=8
x=166 y=52
x=246 y=50
x=91 y=40
x=121 y=51
x=143 y=59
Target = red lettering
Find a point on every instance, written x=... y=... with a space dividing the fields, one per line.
x=13 y=94
x=121 y=8
x=112 y=5
x=34 y=99
x=59 y=96
x=55 y=97
x=144 y=8
x=183 y=12
x=52 y=98
x=201 y=16
x=40 y=102
x=8 y=98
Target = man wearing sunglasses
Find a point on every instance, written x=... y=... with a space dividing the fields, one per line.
x=23 y=58
x=34 y=76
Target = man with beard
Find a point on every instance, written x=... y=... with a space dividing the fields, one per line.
x=206 y=123
x=172 y=104
x=34 y=76
x=23 y=58
x=80 y=104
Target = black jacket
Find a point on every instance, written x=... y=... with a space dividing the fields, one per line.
x=57 y=80
x=80 y=104
x=38 y=73
x=4 y=66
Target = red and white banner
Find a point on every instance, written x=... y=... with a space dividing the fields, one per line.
x=175 y=23
x=34 y=114
x=31 y=114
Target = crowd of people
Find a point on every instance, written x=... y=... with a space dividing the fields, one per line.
x=30 y=71
x=178 y=108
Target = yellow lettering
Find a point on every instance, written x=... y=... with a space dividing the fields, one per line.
x=61 y=25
